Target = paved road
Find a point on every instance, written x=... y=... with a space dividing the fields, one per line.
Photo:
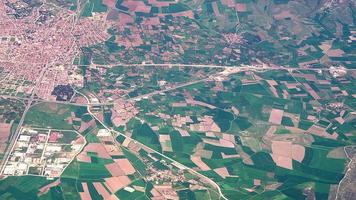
x=215 y=185
x=349 y=175
x=18 y=129
x=32 y=98
x=242 y=67
x=137 y=98
x=181 y=166
x=29 y=102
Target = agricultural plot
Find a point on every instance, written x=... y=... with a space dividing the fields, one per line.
x=106 y=169
x=266 y=135
x=22 y=187
x=257 y=98
x=222 y=32
x=92 y=6
x=60 y=116
x=256 y=138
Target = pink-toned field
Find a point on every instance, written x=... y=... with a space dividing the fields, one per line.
x=46 y=188
x=282 y=148
x=113 y=150
x=283 y=152
x=210 y=134
x=320 y=131
x=166 y=191
x=155 y=192
x=282 y=15
x=153 y=21
x=124 y=19
x=240 y=7
x=298 y=152
x=311 y=91
x=220 y=143
x=182 y=132
x=256 y=182
x=99 y=149
x=116 y=183
x=325 y=46
x=114 y=169
x=165 y=141
x=274 y=91
x=85 y=195
x=222 y=172
x=282 y=161
x=83 y=157
x=199 y=103
x=207 y=124
x=81 y=100
x=79 y=140
x=235 y=110
x=198 y=162
x=276 y=116
x=179 y=104
x=125 y=166
x=335 y=52
x=340 y=120
x=216 y=9
x=226 y=143
x=229 y=3
x=101 y=190
x=85 y=125
x=4 y=135
x=137 y=6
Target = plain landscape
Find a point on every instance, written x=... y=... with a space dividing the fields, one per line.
x=177 y=99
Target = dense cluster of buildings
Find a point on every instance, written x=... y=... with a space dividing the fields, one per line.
x=41 y=152
x=42 y=38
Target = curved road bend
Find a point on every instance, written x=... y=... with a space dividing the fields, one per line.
x=215 y=185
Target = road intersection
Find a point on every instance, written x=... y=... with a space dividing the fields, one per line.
x=32 y=98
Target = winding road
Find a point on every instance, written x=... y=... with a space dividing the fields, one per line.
x=32 y=98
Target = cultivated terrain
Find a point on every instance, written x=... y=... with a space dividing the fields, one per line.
x=177 y=99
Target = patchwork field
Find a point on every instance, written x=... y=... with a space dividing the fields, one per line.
x=168 y=99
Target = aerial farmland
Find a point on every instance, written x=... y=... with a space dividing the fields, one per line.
x=177 y=99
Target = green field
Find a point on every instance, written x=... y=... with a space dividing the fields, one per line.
x=93 y=6
x=48 y=115
x=25 y=187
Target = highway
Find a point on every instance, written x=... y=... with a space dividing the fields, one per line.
x=115 y=133
x=241 y=67
x=31 y=99
x=137 y=98
x=19 y=126
x=215 y=185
